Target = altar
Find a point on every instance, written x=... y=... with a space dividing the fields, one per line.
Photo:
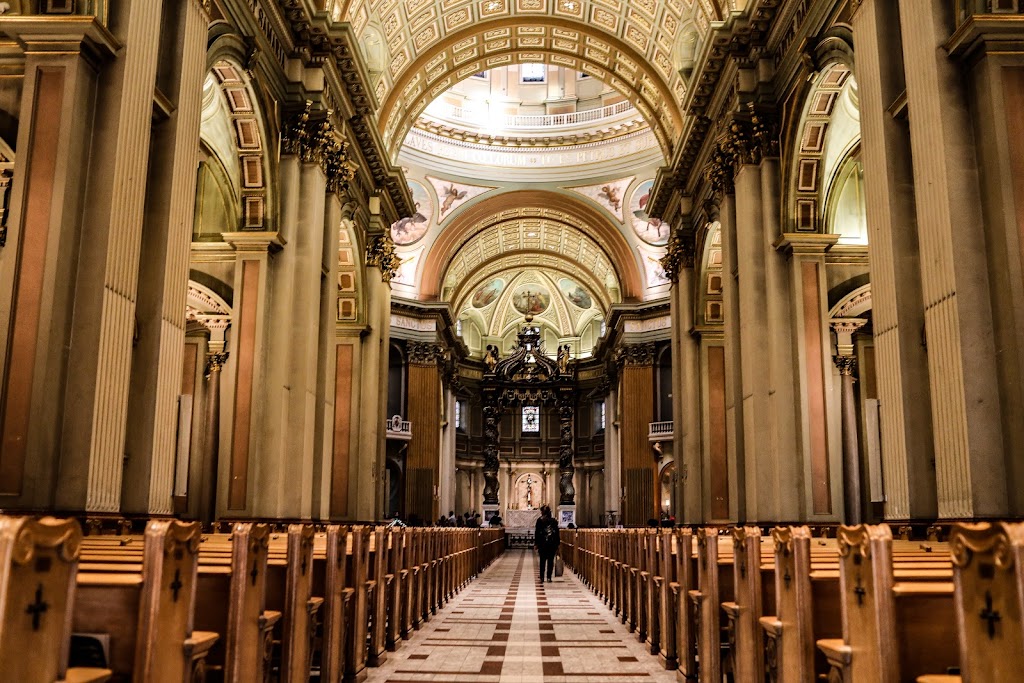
x=521 y=520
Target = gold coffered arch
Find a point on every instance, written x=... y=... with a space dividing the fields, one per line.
x=627 y=45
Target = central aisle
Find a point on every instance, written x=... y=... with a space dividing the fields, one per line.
x=505 y=627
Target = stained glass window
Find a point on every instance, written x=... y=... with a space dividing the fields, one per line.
x=458 y=415
x=531 y=419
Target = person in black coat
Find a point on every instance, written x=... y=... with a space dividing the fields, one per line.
x=546 y=541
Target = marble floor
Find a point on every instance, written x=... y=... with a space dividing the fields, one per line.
x=506 y=627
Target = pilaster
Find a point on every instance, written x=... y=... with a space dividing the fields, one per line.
x=39 y=259
x=422 y=469
x=735 y=437
x=821 y=466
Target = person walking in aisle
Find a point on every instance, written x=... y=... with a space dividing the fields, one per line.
x=545 y=539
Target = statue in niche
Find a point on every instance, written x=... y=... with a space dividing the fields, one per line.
x=529 y=492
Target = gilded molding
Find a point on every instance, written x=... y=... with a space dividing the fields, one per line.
x=635 y=354
x=380 y=252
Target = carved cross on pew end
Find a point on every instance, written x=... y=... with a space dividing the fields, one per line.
x=37 y=608
x=991 y=616
x=254 y=573
x=176 y=584
x=860 y=592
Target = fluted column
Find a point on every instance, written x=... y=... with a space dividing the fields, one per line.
x=970 y=473
x=896 y=294
x=170 y=199
x=612 y=459
x=39 y=257
x=846 y=362
x=423 y=463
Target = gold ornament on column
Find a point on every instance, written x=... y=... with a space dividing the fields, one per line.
x=215 y=361
x=380 y=252
x=847 y=364
x=678 y=256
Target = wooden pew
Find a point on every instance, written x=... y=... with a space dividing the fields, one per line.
x=666 y=610
x=38 y=564
x=338 y=604
x=149 y=615
x=708 y=603
x=892 y=630
x=358 y=559
x=745 y=611
x=232 y=600
x=988 y=562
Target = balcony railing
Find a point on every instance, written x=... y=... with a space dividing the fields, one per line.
x=660 y=431
x=474 y=116
x=400 y=429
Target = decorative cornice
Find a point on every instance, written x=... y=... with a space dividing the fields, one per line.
x=635 y=354
x=380 y=252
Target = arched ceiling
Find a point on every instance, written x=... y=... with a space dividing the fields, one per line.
x=531 y=224
x=433 y=44
x=530 y=243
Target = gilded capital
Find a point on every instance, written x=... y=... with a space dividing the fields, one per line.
x=679 y=255
x=635 y=354
x=215 y=361
x=380 y=252
x=847 y=364
x=424 y=353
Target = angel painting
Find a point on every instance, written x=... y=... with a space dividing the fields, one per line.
x=654 y=231
x=412 y=228
x=451 y=195
x=611 y=195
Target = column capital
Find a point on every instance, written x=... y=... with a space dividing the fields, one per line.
x=680 y=255
x=424 y=353
x=635 y=354
x=215 y=361
x=847 y=364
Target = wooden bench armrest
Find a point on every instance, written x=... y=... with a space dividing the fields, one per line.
x=86 y=675
x=314 y=604
x=347 y=594
x=696 y=596
x=675 y=587
x=200 y=643
x=731 y=608
x=269 y=618
x=939 y=678
x=836 y=651
x=771 y=625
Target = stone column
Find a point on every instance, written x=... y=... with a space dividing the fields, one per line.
x=747 y=265
x=686 y=384
x=446 y=484
x=896 y=293
x=40 y=256
x=846 y=362
x=639 y=468
x=970 y=472
x=167 y=236
x=612 y=459
x=734 y=419
x=381 y=264
x=207 y=493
